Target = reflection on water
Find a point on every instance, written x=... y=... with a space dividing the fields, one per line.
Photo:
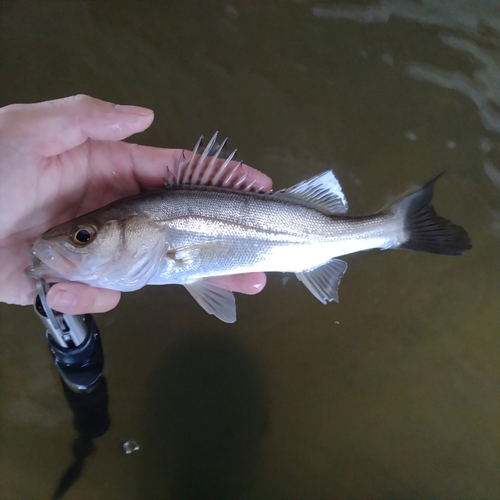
x=468 y=27
x=90 y=421
x=461 y=15
x=393 y=393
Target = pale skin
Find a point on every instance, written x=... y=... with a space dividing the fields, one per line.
x=61 y=159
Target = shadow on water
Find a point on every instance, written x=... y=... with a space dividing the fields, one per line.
x=207 y=414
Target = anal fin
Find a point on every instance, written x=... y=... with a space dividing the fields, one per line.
x=214 y=298
x=323 y=282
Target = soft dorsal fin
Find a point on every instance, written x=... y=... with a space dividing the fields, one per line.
x=322 y=192
x=206 y=168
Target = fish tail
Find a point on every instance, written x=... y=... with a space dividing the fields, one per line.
x=425 y=230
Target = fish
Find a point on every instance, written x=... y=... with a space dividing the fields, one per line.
x=208 y=220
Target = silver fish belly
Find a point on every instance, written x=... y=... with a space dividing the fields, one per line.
x=209 y=221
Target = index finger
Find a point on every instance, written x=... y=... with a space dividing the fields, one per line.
x=52 y=127
x=149 y=166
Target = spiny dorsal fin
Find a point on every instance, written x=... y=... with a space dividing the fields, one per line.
x=322 y=192
x=206 y=168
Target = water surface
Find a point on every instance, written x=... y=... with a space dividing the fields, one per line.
x=393 y=393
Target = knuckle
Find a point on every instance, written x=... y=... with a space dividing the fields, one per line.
x=80 y=98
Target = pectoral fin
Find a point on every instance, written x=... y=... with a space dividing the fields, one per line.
x=214 y=298
x=185 y=255
x=323 y=282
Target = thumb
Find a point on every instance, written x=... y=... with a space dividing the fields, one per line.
x=77 y=298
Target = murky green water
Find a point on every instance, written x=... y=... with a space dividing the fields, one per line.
x=393 y=393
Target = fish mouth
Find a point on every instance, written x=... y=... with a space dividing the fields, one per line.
x=48 y=264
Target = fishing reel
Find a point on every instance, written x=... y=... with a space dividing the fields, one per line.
x=74 y=342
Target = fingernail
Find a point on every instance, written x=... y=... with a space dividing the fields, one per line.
x=133 y=110
x=61 y=299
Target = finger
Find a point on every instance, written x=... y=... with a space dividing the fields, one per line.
x=249 y=284
x=53 y=127
x=15 y=286
x=77 y=298
x=149 y=166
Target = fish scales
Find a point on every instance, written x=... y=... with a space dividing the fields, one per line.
x=255 y=232
x=207 y=222
x=258 y=214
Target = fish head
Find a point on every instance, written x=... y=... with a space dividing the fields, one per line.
x=120 y=253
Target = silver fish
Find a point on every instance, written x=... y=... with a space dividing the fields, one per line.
x=210 y=221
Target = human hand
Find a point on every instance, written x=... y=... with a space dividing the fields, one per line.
x=61 y=159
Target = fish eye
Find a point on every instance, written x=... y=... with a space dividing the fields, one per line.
x=83 y=234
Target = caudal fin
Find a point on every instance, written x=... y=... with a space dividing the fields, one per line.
x=427 y=231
